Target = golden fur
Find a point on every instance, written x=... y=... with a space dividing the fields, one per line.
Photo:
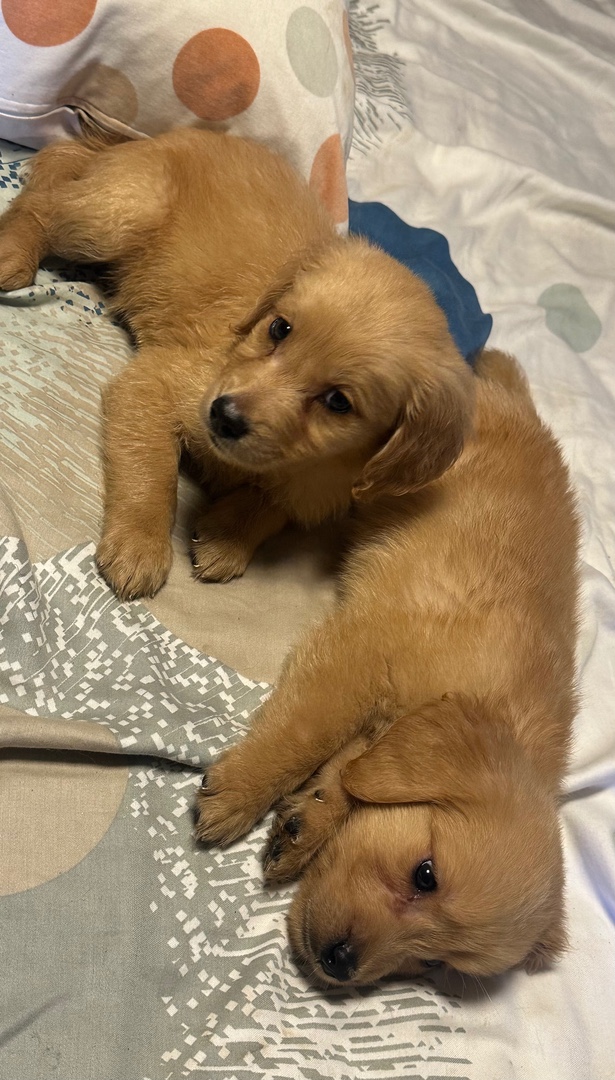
x=437 y=701
x=211 y=238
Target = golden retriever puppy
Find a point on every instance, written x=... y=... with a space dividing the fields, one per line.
x=294 y=367
x=437 y=700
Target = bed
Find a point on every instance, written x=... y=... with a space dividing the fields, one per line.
x=127 y=951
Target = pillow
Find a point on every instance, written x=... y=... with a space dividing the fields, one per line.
x=278 y=71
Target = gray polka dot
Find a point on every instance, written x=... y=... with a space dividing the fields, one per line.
x=108 y=90
x=569 y=316
x=311 y=51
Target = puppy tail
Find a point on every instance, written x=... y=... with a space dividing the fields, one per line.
x=95 y=137
x=498 y=367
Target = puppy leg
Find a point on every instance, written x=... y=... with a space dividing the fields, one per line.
x=141 y=455
x=83 y=204
x=228 y=533
x=326 y=696
x=306 y=819
x=23 y=233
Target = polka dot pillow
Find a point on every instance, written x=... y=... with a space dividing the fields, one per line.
x=278 y=71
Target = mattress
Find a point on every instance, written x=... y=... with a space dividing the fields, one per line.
x=129 y=952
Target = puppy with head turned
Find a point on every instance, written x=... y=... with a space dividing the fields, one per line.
x=298 y=370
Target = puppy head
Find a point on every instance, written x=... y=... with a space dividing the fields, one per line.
x=346 y=355
x=453 y=855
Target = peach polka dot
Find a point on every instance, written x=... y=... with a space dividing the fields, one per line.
x=103 y=88
x=47 y=22
x=328 y=178
x=80 y=788
x=216 y=74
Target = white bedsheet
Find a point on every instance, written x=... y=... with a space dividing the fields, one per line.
x=510 y=154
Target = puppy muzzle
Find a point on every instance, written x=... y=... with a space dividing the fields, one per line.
x=339 y=961
x=225 y=419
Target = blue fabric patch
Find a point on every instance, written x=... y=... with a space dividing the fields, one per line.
x=426 y=253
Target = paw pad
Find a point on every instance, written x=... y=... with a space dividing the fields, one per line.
x=293 y=826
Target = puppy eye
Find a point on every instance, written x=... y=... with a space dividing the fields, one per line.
x=432 y=963
x=279 y=329
x=335 y=401
x=424 y=877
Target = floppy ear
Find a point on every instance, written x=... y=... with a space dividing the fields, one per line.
x=439 y=754
x=281 y=283
x=428 y=439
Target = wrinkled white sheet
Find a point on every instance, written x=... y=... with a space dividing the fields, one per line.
x=510 y=154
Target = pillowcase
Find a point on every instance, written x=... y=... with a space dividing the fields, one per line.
x=278 y=71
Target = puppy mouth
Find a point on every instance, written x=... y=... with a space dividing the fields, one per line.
x=299 y=938
x=340 y=963
x=247 y=453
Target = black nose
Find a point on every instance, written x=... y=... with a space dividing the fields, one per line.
x=339 y=961
x=226 y=420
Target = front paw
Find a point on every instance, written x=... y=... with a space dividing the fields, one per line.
x=227 y=803
x=294 y=838
x=303 y=824
x=18 y=264
x=307 y=819
x=134 y=562
x=217 y=558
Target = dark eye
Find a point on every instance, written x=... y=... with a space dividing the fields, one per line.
x=336 y=401
x=279 y=329
x=432 y=963
x=424 y=877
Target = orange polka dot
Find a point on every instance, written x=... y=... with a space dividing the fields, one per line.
x=47 y=22
x=216 y=74
x=328 y=178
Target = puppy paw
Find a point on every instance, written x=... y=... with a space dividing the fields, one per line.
x=17 y=268
x=217 y=559
x=133 y=562
x=305 y=821
x=19 y=251
x=299 y=830
x=226 y=803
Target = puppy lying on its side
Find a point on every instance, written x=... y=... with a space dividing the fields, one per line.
x=295 y=367
x=437 y=701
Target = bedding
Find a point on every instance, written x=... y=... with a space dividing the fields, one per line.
x=128 y=952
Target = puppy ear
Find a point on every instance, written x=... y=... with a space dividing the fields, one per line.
x=281 y=284
x=428 y=439
x=439 y=754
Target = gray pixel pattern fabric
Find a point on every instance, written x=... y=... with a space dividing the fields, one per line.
x=71 y=650
x=153 y=958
